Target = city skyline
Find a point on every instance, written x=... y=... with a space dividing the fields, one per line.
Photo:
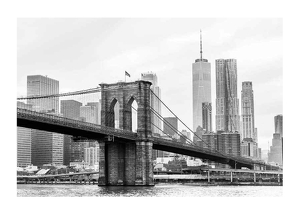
x=155 y=49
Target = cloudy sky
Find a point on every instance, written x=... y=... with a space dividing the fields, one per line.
x=81 y=53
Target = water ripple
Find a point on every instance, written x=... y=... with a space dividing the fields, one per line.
x=160 y=190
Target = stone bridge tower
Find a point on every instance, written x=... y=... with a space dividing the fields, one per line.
x=126 y=162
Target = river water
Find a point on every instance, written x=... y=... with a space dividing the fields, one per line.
x=159 y=190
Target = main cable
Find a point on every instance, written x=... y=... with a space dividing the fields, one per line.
x=184 y=123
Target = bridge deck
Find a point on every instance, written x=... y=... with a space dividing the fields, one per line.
x=49 y=122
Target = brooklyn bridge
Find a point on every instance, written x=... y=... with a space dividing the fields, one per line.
x=126 y=154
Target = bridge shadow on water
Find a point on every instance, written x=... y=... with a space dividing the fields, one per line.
x=129 y=191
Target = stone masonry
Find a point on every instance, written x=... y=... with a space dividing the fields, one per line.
x=126 y=162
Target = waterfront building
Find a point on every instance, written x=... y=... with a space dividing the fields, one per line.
x=201 y=71
x=47 y=147
x=227 y=102
x=248 y=130
x=91 y=155
x=78 y=147
x=23 y=141
x=79 y=165
x=154 y=101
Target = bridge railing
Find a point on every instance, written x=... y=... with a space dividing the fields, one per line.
x=209 y=151
x=55 y=119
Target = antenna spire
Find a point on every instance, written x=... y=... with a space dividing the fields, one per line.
x=200 y=45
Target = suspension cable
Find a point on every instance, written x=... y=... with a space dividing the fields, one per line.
x=185 y=124
x=171 y=126
x=86 y=91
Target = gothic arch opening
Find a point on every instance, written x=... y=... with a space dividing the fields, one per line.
x=114 y=117
x=134 y=114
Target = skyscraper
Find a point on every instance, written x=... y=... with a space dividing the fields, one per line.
x=227 y=102
x=276 y=149
x=154 y=102
x=91 y=155
x=275 y=154
x=229 y=143
x=201 y=69
x=278 y=121
x=170 y=126
x=47 y=147
x=40 y=85
x=248 y=130
x=90 y=112
x=23 y=141
x=69 y=109
x=206 y=116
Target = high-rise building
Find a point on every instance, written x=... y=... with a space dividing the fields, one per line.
x=229 y=143
x=259 y=153
x=185 y=137
x=249 y=148
x=255 y=135
x=276 y=154
x=209 y=141
x=23 y=141
x=40 y=85
x=47 y=147
x=96 y=107
x=206 y=116
x=227 y=102
x=278 y=121
x=170 y=126
x=201 y=70
x=69 y=109
x=91 y=155
x=248 y=130
x=154 y=101
x=90 y=113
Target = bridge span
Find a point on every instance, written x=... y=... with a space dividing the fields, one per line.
x=125 y=156
x=53 y=123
